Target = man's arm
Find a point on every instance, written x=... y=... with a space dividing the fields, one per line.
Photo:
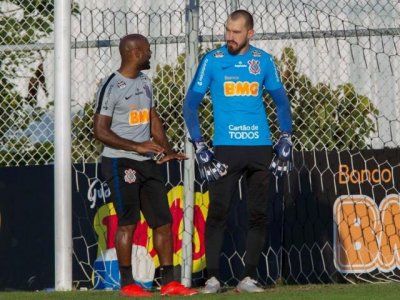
x=209 y=168
x=158 y=132
x=274 y=87
x=282 y=160
x=104 y=134
x=159 y=136
x=191 y=115
x=197 y=89
x=283 y=111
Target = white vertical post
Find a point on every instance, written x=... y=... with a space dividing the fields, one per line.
x=192 y=31
x=62 y=144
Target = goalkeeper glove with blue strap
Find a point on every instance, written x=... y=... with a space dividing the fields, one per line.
x=282 y=159
x=209 y=168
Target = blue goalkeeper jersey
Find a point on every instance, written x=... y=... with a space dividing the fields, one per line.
x=236 y=84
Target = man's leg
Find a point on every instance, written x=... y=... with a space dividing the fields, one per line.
x=125 y=195
x=155 y=207
x=162 y=240
x=218 y=211
x=257 y=202
x=123 y=247
x=259 y=183
x=220 y=192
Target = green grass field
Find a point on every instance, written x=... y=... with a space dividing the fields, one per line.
x=380 y=291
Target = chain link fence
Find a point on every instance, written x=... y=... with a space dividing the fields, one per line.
x=338 y=61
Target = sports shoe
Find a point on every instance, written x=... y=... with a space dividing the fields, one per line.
x=134 y=290
x=248 y=285
x=174 y=288
x=212 y=286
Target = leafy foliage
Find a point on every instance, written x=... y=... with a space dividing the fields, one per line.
x=23 y=22
x=325 y=117
x=169 y=93
x=84 y=146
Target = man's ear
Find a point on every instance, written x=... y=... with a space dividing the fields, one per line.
x=137 y=53
x=250 y=33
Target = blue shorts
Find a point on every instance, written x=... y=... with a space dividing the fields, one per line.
x=137 y=186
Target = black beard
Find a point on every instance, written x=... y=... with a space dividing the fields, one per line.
x=145 y=66
x=235 y=52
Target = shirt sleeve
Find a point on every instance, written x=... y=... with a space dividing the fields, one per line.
x=272 y=80
x=190 y=114
x=274 y=87
x=202 y=79
x=283 y=111
x=104 y=99
x=197 y=89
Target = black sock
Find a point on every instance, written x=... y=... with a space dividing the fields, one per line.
x=126 y=275
x=167 y=274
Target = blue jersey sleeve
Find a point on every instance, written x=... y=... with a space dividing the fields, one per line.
x=274 y=86
x=201 y=80
x=272 y=80
x=190 y=114
x=282 y=103
x=197 y=89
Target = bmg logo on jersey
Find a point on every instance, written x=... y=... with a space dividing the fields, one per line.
x=240 y=88
x=243 y=132
x=138 y=117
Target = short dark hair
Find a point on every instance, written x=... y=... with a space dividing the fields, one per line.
x=245 y=14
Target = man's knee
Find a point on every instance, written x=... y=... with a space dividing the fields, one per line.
x=258 y=220
x=126 y=229
x=123 y=236
x=164 y=231
x=218 y=213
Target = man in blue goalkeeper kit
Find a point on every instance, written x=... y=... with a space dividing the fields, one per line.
x=236 y=75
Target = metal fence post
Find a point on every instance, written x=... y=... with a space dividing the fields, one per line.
x=62 y=163
x=191 y=41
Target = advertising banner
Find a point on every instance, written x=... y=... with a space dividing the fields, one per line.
x=336 y=217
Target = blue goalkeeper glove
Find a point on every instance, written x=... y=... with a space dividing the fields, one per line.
x=209 y=168
x=282 y=160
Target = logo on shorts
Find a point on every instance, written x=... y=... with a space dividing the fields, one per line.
x=130 y=176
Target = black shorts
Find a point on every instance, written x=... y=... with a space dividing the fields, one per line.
x=137 y=186
x=252 y=163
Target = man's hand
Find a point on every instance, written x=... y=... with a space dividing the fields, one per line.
x=209 y=168
x=147 y=147
x=282 y=160
x=161 y=157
